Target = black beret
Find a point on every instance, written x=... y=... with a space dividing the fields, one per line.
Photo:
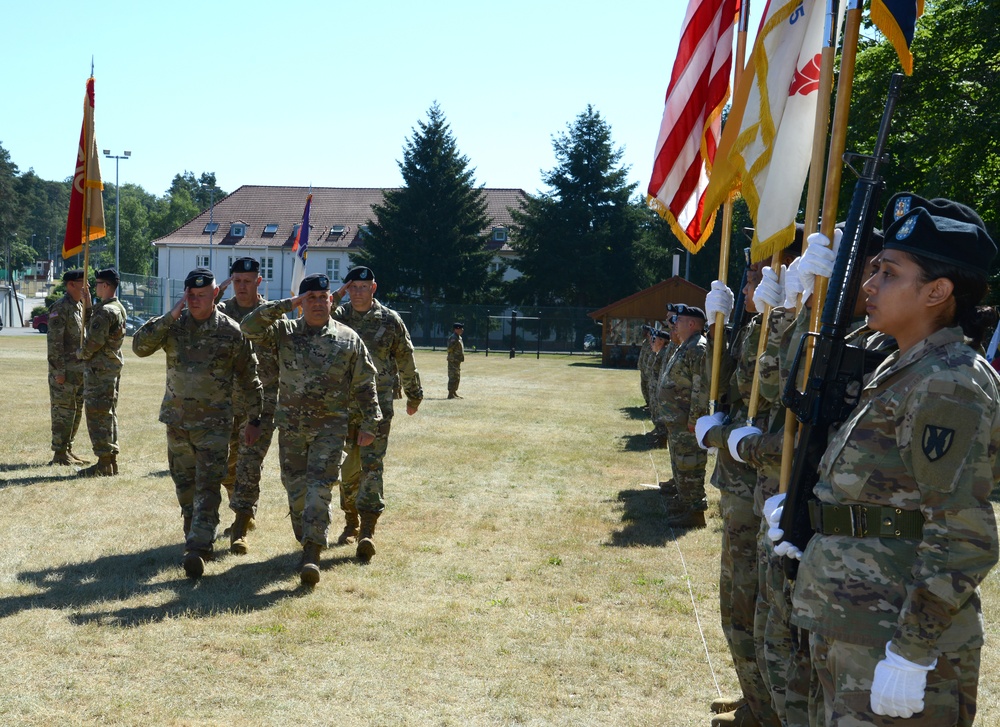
x=108 y=274
x=199 y=278
x=244 y=265
x=75 y=274
x=359 y=273
x=661 y=333
x=944 y=239
x=316 y=281
x=692 y=312
x=902 y=202
x=458 y=325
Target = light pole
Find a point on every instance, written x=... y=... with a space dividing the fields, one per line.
x=116 y=157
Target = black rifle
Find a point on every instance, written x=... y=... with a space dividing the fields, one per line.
x=739 y=317
x=837 y=368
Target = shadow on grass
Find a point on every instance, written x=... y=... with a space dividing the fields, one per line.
x=5 y=467
x=644 y=519
x=28 y=480
x=638 y=413
x=229 y=584
x=637 y=442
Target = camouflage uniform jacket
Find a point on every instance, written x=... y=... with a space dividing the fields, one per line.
x=63 y=338
x=656 y=361
x=205 y=359
x=680 y=396
x=925 y=438
x=105 y=333
x=456 y=351
x=388 y=343
x=738 y=370
x=322 y=370
x=267 y=357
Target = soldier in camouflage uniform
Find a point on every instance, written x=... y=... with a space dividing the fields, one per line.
x=889 y=585
x=643 y=364
x=65 y=367
x=456 y=355
x=246 y=461
x=662 y=347
x=324 y=371
x=680 y=403
x=388 y=343
x=207 y=356
x=102 y=353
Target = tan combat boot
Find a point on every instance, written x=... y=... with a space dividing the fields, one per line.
x=740 y=717
x=366 y=538
x=310 y=564
x=61 y=456
x=351 y=524
x=104 y=467
x=73 y=458
x=727 y=704
x=238 y=534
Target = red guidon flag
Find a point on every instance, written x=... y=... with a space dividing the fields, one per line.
x=86 y=204
x=690 y=130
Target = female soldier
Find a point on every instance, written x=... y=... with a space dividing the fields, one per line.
x=888 y=586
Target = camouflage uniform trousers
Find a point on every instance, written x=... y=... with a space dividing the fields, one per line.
x=310 y=468
x=66 y=402
x=454 y=376
x=246 y=461
x=845 y=672
x=197 y=461
x=738 y=598
x=688 y=460
x=361 y=472
x=101 y=397
x=782 y=648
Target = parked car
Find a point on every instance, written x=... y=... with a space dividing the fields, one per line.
x=133 y=324
x=41 y=322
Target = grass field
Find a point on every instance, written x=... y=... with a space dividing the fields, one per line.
x=524 y=573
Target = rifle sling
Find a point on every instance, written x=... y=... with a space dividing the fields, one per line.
x=865 y=521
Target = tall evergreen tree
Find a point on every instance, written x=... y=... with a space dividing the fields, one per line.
x=427 y=240
x=575 y=243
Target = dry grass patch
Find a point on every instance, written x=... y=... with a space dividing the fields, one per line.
x=524 y=574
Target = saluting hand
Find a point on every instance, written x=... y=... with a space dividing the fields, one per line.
x=175 y=312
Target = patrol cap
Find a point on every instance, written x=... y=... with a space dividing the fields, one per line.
x=692 y=312
x=316 y=281
x=944 y=239
x=359 y=273
x=108 y=274
x=901 y=203
x=199 y=278
x=458 y=325
x=244 y=265
x=74 y=274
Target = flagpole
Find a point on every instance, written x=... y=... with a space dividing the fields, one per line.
x=727 y=219
x=814 y=195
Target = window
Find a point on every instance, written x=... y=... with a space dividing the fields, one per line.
x=229 y=263
x=494 y=267
x=201 y=261
x=270 y=229
x=337 y=231
x=238 y=229
x=499 y=234
x=267 y=268
x=333 y=268
x=211 y=227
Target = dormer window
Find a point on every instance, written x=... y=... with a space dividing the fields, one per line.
x=238 y=229
x=499 y=234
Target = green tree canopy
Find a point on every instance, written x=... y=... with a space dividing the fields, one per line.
x=576 y=242
x=427 y=239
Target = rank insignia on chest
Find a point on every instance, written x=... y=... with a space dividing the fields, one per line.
x=937 y=441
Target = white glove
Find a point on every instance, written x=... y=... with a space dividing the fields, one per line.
x=818 y=259
x=736 y=436
x=719 y=300
x=704 y=424
x=787 y=549
x=793 y=284
x=770 y=290
x=898 y=685
x=773 y=507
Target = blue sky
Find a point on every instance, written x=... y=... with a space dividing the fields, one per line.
x=326 y=93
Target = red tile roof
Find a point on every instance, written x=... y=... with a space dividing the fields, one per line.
x=257 y=206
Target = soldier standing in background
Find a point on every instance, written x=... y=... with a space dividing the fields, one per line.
x=456 y=355
x=65 y=367
x=246 y=461
x=681 y=404
x=323 y=370
x=388 y=343
x=102 y=352
x=206 y=356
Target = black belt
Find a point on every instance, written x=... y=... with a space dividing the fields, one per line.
x=865 y=521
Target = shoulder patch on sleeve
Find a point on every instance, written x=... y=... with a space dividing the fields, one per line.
x=937 y=386
x=943 y=433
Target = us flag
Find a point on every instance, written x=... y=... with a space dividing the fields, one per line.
x=691 y=126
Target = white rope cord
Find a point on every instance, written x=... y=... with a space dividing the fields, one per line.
x=687 y=578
